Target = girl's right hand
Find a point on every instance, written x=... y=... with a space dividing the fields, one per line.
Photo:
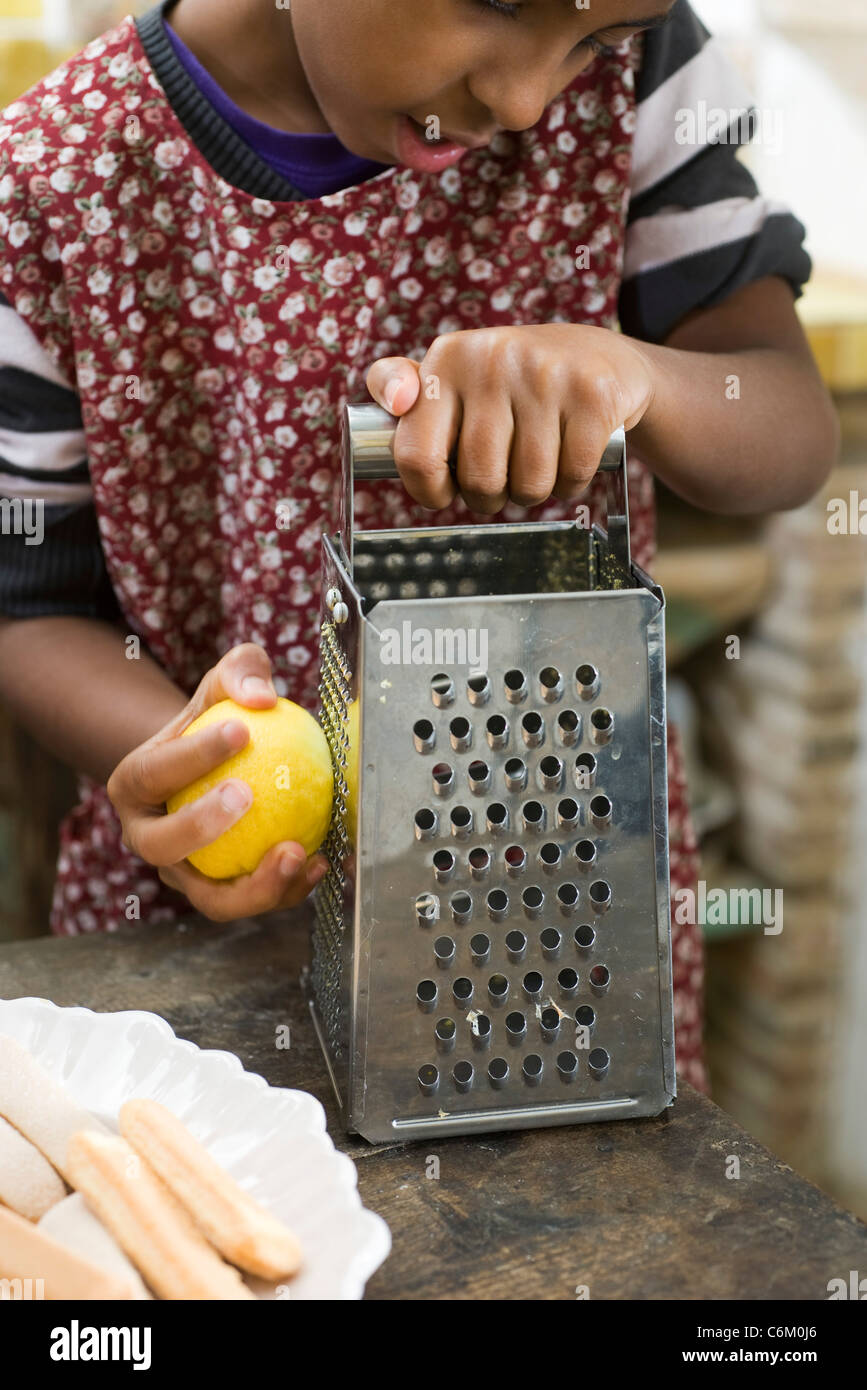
x=142 y=783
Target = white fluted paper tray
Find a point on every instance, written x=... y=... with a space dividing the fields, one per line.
x=272 y=1140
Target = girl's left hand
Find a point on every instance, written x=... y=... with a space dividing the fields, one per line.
x=531 y=409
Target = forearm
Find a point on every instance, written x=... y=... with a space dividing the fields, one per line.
x=70 y=682
x=739 y=419
x=737 y=432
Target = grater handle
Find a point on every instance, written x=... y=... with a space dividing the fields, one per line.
x=368 y=453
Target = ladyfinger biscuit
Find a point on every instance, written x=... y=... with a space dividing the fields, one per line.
x=147 y=1222
x=28 y=1183
x=238 y=1226
x=27 y=1253
x=36 y=1106
x=73 y=1224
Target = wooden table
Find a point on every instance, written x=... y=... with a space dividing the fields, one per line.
x=633 y=1209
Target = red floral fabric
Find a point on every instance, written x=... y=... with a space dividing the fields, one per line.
x=213 y=338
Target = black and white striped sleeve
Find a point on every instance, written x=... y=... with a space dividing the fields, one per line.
x=51 y=559
x=698 y=227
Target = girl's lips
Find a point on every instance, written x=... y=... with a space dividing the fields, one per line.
x=423 y=155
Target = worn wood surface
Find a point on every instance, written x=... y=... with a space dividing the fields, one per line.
x=633 y=1209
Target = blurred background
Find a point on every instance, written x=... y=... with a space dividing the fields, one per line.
x=776 y=734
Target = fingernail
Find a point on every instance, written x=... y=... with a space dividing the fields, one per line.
x=318 y=874
x=255 y=685
x=290 y=863
x=392 y=386
x=234 y=796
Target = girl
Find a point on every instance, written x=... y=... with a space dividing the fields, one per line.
x=222 y=220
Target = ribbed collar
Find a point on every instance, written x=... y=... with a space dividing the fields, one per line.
x=228 y=155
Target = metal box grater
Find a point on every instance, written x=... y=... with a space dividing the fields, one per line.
x=492 y=947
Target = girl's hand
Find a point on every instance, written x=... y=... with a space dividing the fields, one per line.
x=142 y=783
x=530 y=408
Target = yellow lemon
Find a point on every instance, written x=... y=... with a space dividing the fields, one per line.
x=287 y=764
x=351 y=770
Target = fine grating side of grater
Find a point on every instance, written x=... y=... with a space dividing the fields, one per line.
x=492 y=947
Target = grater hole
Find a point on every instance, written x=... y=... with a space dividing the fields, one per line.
x=532 y=1068
x=551 y=683
x=532 y=729
x=427 y=908
x=532 y=899
x=479 y=861
x=443 y=778
x=532 y=983
x=497 y=903
x=445 y=1034
x=482 y=1026
x=568 y=726
x=498 y=1071
x=444 y=864
x=516 y=945
x=584 y=936
x=426 y=993
x=568 y=980
x=462 y=1075
x=516 y=774
x=551 y=941
x=516 y=1027
x=600 y=978
x=551 y=772
x=497 y=731
x=585 y=1016
x=515 y=683
x=600 y=895
x=442 y=689
x=462 y=989
x=480 y=948
x=478 y=690
x=461 y=905
x=425 y=823
x=587 y=680
x=497 y=816
x=567 y=813
x=550 y=855
x=585 y=853
x=567 y=895
x=444 y=950
x=460 y=733
x=549 y=1020
x=567 y=1065
x=602 y=725
x=498 y=987
x=585 y=771
x=598 y=1061
x=479 y=775
x=423 y=735
x=428 y=1078
x=600 y=810
x=533 y=815
x=516 y=859
x=461 y=821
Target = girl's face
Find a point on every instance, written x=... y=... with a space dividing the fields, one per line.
x=380 y=70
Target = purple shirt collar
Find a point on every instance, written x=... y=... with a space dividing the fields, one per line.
x=314 y=164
